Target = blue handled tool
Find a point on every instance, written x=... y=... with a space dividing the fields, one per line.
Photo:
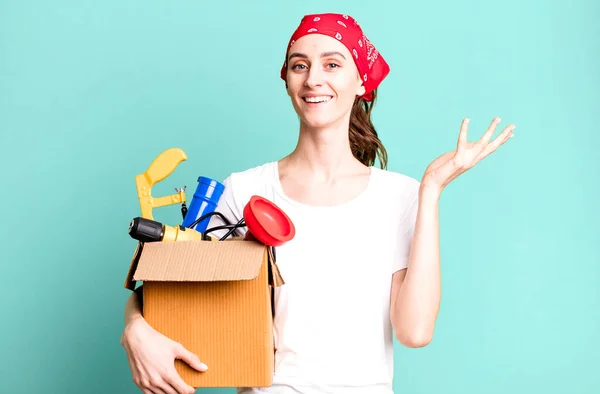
x=205 y=200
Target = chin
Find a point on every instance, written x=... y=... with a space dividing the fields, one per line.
x=318 y=122
x=319 y=118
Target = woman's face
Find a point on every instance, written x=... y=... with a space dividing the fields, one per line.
x=322 y=80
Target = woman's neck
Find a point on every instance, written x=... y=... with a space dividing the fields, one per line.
x=323 y=154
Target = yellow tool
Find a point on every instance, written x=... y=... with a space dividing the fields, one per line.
x=144 y=228
x=160 y=168
x=147 y=230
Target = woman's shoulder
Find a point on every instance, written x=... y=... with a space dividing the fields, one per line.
x=394 y=193
x=395 y=182
x=257 y=175
x=240 y=185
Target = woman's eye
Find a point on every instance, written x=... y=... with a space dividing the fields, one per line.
x=333 y=65
x=297 y=66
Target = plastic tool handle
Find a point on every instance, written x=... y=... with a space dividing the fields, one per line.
x=164 y=164
x=146 y=230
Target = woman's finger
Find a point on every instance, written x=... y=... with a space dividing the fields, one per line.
x=462 y=136
x=178 y=383
x=167 y=388
x=154 y=390
x=159 y=386
x=485 y=138
x=501 y=139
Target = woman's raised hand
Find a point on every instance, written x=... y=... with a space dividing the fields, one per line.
x=450 y=165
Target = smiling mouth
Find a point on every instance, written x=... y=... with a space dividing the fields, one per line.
x=317 y=100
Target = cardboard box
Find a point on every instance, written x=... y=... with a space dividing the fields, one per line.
x=215 y=298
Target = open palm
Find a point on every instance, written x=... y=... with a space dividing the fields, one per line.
x=450 y=165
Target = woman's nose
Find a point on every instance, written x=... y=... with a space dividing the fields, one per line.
x=314 y=78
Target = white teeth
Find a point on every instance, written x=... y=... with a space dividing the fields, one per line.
x=319 y=99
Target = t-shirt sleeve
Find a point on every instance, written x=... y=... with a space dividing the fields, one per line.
x=406 y=234
x=230 y=208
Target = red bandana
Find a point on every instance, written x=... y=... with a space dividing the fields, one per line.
x=371 y=65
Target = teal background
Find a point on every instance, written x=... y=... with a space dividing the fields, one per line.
x=91 y=92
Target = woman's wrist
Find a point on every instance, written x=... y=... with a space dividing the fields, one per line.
x=429 y=192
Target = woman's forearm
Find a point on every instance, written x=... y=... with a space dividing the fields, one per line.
x=133 y=308
x=418 y=300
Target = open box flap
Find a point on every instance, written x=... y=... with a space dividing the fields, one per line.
x=199 y=261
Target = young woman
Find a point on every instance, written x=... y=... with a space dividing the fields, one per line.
x=364 y=266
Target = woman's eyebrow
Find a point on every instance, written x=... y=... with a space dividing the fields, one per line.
x=327 y=54
x=324 y=54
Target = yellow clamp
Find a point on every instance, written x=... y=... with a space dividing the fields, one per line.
x=161 y=167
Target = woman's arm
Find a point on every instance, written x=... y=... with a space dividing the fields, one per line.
x=133 y=308
x=151 y=355
x=416 y=291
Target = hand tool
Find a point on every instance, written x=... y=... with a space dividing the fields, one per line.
x=266 y=222
x=161 y=167
x=205 y=200
x=145 y=228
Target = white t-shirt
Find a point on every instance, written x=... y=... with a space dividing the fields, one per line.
x=332 y=329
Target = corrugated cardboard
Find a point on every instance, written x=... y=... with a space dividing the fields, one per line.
x=215 y=298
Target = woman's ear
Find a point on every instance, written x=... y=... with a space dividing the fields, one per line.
x=361 y=87
x=361 y=90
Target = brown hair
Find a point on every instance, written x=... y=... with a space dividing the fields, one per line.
x=364 y=142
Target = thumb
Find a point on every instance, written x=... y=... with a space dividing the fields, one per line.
x=184 y=354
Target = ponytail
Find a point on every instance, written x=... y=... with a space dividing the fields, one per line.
x=364 y=142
